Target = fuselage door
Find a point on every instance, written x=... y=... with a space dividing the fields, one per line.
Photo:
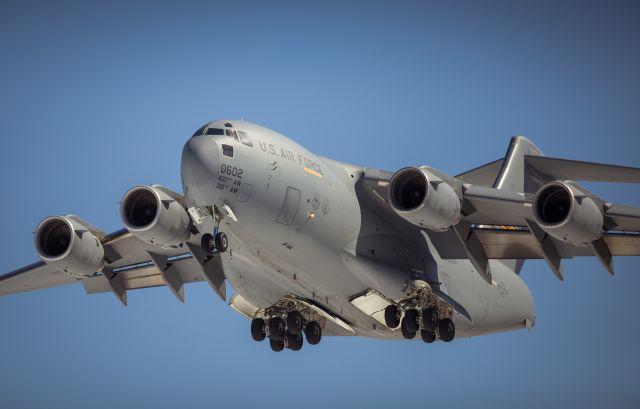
x=289 y=206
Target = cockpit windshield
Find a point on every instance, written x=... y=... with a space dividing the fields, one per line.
x=200 y=131
x=238 y=136
x=208 y=131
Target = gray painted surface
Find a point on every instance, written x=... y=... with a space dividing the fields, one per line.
x=319 y=233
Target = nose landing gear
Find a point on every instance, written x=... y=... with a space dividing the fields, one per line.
x=214 y=244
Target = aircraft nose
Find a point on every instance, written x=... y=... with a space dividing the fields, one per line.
x=200 y=163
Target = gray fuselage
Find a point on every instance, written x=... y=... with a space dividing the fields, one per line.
x=306 y=226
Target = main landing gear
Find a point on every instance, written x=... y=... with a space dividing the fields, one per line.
x=287 y=332
x=427 y=321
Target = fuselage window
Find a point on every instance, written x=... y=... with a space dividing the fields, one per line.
x=199 y=131
x=215 y=131
x=244 y=138
x=227 y=150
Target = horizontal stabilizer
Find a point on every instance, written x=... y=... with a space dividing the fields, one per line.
x=565 y=169
x=484 y=175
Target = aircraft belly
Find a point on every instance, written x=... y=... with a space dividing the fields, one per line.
x=504 y=305
x=263 y=275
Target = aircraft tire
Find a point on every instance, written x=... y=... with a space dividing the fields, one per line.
x=294 y=322
x=405 y=332
x=294 y=341
x=276 y=328
x=257 y=329
x=222 y=242
x=428 y=336
x=208 y=243
x=276 y=346
x=430 y=319
x=447 y=330
x=392 y=316
x=313 y=332
x=410 y=320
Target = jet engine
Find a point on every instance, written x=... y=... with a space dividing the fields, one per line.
x=421 y=197
x=568 y=214
x=154 y=215
x=66 y=244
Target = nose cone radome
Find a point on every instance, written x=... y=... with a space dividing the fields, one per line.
x=200 y=164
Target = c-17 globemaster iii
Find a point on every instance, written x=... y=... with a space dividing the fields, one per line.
x=315 y=247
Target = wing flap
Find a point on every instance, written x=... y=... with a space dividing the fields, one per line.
x=147 y=275
x=521 y=244
x=485 y=205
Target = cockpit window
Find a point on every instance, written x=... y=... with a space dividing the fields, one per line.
x=199 y=131
x=232 y=134
x=244 y=138
x=215 y=131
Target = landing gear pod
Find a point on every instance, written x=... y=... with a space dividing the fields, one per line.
x=66 y=244
x=154 y=215
x=422 y=198
x=568 y=214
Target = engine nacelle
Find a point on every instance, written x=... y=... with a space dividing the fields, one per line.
x=567 y=214
x=66 y=244
x=153 y=214
x=424 y=199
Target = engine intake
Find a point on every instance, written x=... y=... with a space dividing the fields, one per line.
x=67 y=245
x=421 y=197
x=154 y=215
x=566 y=213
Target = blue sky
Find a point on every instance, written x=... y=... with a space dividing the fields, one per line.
x=96 y=97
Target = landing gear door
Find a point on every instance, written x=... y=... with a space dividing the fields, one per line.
x=289 y=206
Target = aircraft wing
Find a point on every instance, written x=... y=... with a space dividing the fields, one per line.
x=498 y=223
x=130 y=264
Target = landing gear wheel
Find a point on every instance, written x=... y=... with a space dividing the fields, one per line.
x=392 y=316
x=222 y=243
x=208 y=243
x=313 y=333
x=276 y=346
x=430 y=319
x=447 y=330
x=294 y=322
x=428 y=336
x=410 y=321
x=257 y=329
x=405 y=332
x=276 y=329
x=294 y=341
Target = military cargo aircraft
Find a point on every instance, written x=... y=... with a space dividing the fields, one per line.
x=314 y=247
